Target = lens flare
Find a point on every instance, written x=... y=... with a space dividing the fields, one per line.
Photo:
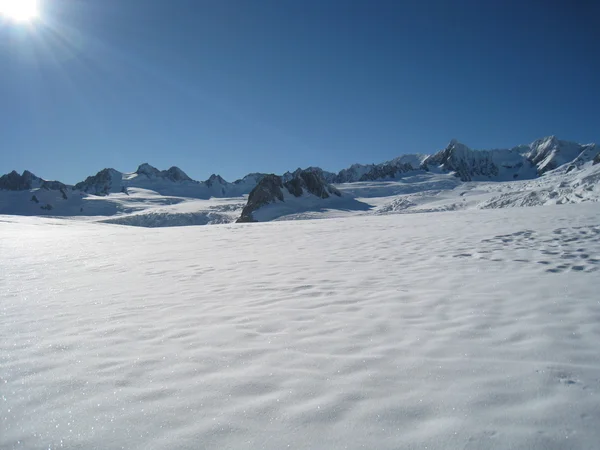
x=19 y=10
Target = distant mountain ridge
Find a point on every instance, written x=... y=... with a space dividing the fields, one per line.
x=553 y=172
x=173 y=181
x=521 y=162
x=14 y=182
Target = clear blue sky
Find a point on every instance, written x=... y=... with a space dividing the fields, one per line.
x=237 y=86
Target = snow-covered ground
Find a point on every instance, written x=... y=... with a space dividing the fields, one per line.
x=466 y=329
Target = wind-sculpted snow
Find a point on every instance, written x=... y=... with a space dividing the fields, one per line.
x=458 y=330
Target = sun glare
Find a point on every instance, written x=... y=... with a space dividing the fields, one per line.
x=19 y=10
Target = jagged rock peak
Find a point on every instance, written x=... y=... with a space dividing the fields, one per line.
x=215 y=179
x=147 y=169
x=312 y=181
x=14 y=182
x=270 y=189
x=27 y=180
x=104 y=182
x=546 y=141
x=176 y=174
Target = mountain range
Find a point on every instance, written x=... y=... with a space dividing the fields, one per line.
x=29 y=194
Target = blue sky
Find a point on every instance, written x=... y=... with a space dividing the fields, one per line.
x=238 y=86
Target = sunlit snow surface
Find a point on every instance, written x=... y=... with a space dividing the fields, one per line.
x=474 y=329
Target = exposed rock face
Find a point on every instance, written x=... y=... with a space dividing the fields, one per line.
x=597 y=159
x=148 y=170
x=385 y=171
x=267 y=191
x=314 y=183
x=353 y=173
x=544 y=154
x=176 y=174
x=103 y=183
x=53 y=186
x=328 y=177
x=466 y=163
x=270 y=189
x=15 y=182
x=311 y=180
x=172 y=174
x=215 y=180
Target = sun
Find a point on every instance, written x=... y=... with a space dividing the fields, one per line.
x=19 y=10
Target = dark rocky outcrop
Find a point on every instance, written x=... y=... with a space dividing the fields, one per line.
x=597 y=159
x=101 y=183
x=215 y=180
x=176 y=174
x=54 y=186
x=310 y=180
x=270 y=189
x=15 y=182
x=172 y=174
x=386 y=171
x=463 y=161
x=328 y=177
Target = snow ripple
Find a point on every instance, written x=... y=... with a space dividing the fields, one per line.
x=370 y=332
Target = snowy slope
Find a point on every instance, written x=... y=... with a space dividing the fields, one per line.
x=462 y=330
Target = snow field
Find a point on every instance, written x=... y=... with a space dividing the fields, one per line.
x=470 y=330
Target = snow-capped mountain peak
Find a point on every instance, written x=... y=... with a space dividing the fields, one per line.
x=566 y=167
x=550 y=153
x=148 y=170
x=176 y=174
x=14 y=182
x=103 y=183
x=215 y=179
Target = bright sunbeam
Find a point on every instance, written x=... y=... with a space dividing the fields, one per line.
x=19 y=10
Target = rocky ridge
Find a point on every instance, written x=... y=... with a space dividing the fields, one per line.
x=271 y=189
